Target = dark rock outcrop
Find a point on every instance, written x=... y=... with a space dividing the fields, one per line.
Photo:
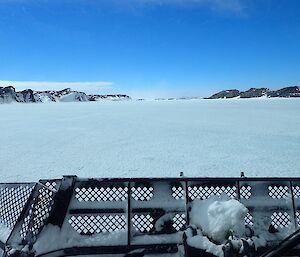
x=286 y=92
x=225 y=94
x=254 y=92
x=42 y=97
x=116 y=97
x=9 y=94
x=25 y=96
x=258 y=92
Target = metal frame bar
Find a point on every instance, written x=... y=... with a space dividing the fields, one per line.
x=65 y=194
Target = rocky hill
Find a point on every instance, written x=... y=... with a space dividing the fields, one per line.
x=225 y=94
x=116 y=97
x=257 y=92
x=9 y=95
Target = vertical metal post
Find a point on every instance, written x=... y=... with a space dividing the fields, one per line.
x=294 y=206
x=187 y=201
x=62 y=200
x=238 y=192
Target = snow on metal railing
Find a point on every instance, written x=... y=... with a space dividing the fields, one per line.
x=120 y=215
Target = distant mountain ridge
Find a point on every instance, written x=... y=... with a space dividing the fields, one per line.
x=9 y=95
x=257 y=92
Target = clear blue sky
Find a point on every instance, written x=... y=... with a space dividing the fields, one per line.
x=152 y=47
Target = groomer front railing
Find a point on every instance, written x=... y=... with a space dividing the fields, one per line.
x=78 y=216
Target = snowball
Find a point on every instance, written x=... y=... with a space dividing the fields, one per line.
x=219 y=216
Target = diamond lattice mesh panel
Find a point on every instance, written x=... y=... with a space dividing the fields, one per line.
x=204 y=192
x=178 y=192
x=12 y=201
x=280 y=219
x=179 y=221
x=249 y=219
x=142 y=193
x=142 y=222
x=298 y=217
x=296 y=191
x=278 y=191
x=109 y=193
x=52 y=185
x=91 y=224
x=245 y=192
x=39 y=212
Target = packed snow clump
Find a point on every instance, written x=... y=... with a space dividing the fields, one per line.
x=219 y=217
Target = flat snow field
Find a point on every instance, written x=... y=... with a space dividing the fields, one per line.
x=205 y=138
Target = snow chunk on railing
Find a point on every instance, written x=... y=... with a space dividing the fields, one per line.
x=53 y=238
x=218 y=217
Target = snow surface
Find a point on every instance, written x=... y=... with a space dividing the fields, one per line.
x=150 y=138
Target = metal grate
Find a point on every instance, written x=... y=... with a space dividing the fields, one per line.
x=249 y=219
x=142 y=222
x=38 y=213
x=280 y=219
x=245 y=192
x=52 y=185
x=142 y=193
x=12 y=201
x=179 y=221
x=277 y=192
x=298 y=217
x=143 y=216
x=296 y=191
x=106 y=194
x=204 y=192
x=178 y=192
x=97 y=223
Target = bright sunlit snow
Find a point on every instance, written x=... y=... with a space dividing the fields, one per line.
x=260 y=137
x=217 y=216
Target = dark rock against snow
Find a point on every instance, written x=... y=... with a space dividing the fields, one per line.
x=43 y=97
x=225 y=94
x=286 y=92
x=258 y=92
x=254 y=92
x=9 y=94
x=25 y=96
x=116 y=97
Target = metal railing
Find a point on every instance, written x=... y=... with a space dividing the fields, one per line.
x=121 y=215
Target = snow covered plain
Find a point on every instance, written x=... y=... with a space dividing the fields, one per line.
x=150 y=138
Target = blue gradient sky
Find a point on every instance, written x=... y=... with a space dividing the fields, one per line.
x=150 y=48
